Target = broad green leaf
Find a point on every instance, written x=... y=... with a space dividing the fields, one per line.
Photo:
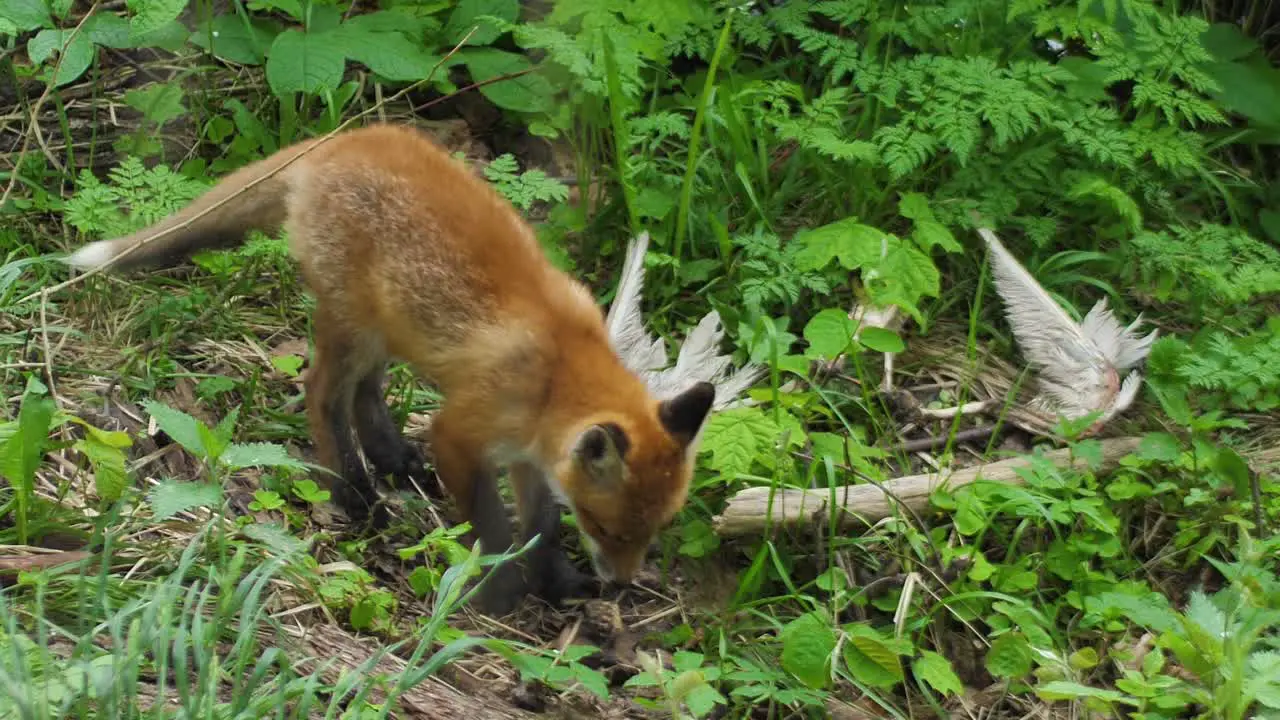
x=76 y=56
x=882 y=670
x=935 y=670
x=929 y=234
x=1009 y=656
x=829 y=333
x=1150 y=610
x=158 y=102
x=529 y=93
x=24 y=15
x=23 y=449
x=151 y=15
x=181 y=427
x=108 y=30
x=243 y=455
x=105 y=452
x=884 y=651
x=390 y=54
x=735 y=437
x=228 y=38
x=1206 y=616
x=362 y=614
x=852 y=243
x=807 y=644
x=881 y=340
x=304 y=62
x=468 y=14
x=1065 y=690
x=1159 y=446
x=1265 y=684
x=171 y=37
x=173 y=496
x=1226 y=42
x=914 y=206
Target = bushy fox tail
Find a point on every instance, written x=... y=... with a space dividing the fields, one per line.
x=254 y=197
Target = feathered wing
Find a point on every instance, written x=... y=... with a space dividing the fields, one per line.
x=699 y=357
x=1078 y=365
x=639 y=350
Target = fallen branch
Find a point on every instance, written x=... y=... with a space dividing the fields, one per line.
x=749 y=511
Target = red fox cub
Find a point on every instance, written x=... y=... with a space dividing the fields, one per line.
x=409 y=255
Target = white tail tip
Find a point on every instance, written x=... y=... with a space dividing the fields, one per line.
x=93 y=255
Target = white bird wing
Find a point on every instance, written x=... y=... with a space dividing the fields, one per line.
x=698 y=359
x=1078 y=365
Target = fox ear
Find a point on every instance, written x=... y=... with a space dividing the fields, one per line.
x=600 y=450
x=684 y=414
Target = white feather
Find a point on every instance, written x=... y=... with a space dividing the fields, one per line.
x=698 y=359
x=1078 y=365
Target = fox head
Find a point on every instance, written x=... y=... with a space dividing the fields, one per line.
x=625 y=477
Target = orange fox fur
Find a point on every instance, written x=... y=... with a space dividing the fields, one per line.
x=409 y=255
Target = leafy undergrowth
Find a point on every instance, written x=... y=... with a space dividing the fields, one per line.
x=167 y=550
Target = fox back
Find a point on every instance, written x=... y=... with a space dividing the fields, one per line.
x=410 y=255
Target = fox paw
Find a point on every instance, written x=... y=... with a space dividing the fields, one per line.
x=502 y=592
x=560 y=580
x=404 y=463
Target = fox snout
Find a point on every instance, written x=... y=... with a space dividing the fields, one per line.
x=615 y=566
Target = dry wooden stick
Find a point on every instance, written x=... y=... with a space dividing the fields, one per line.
x=750 y=511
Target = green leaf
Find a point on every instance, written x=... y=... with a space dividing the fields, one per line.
x=807 y=644
x=1092 y=186
x=1009 y=656
x=173 y=496
x=391 y=54
x=467 y=15
x=870 y=646
x=76 y=56
x=529 y=93
x=304 y=62
x=158 y=102
x=829 y=333
x=1226 y=42
x=880 y=339
x=104 y=450
x=179 y=426
x=1159 y=446
x=243 y=455
x=151 y=15
x=1233 y=469
x=935 y=670
x=362 y=614
x=1083 y=659
x=23 y=450
x=24 y=15
x=853 y=243
x=914 y=206
x=226 y=37
x=735 y=437
x=1064 y=690
x=108 y=30
x=929 y=234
